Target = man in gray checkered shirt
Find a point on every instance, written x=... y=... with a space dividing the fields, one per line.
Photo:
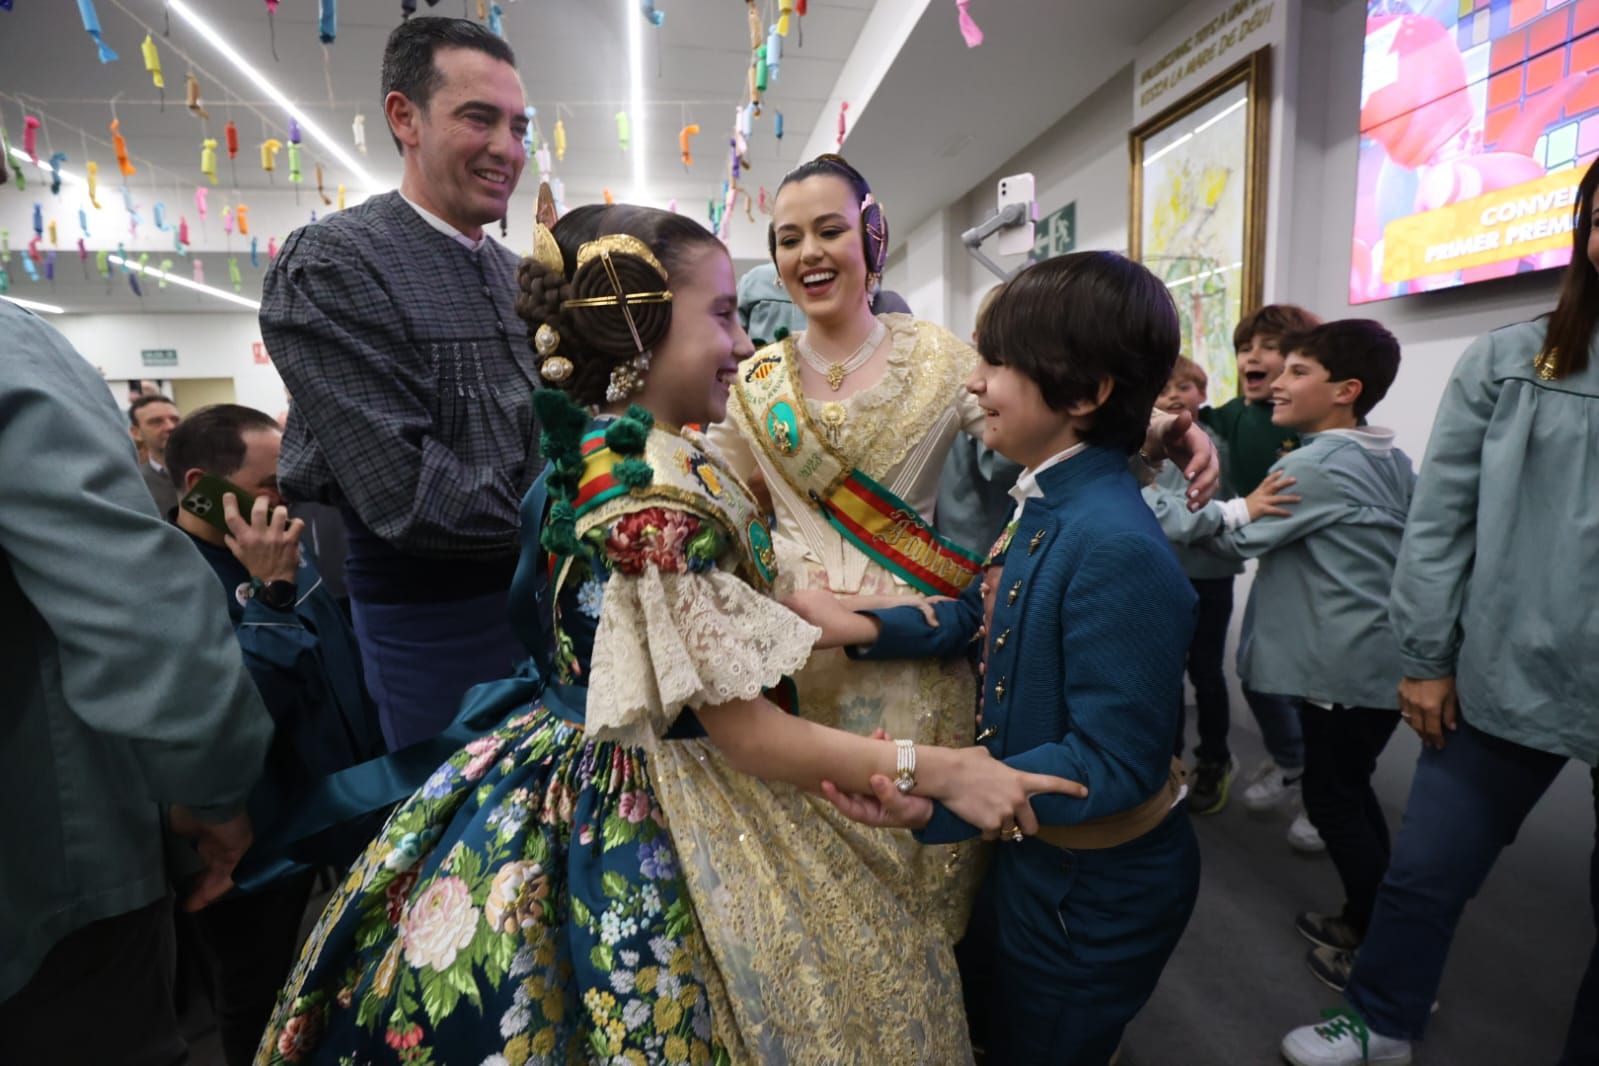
x=394 y=326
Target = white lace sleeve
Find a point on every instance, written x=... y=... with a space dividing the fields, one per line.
x=672 y=640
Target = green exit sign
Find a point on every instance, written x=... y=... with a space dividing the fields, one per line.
x=159 y=356
x=1055 y=234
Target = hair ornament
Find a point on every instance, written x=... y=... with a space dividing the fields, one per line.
x=546 y=250
x=618 y=244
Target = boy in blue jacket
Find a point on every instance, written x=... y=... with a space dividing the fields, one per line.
x=1091 y=621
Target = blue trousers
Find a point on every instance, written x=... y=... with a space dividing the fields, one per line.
x=1278 y=718
x=420 y=658
x=1466 y=804
x=1065 y=947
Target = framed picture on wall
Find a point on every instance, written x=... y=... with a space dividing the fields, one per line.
x=1198 y=218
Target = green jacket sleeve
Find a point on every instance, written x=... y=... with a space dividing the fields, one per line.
x=145 y=652
x=1440 y=542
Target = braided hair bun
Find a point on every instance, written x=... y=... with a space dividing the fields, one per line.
x=597 y=339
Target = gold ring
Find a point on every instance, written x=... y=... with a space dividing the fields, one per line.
x=1015 y=834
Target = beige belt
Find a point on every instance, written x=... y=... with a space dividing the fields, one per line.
x=1116 y=829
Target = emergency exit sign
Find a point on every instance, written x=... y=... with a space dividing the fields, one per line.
x=1055 y=234
x=159 y=356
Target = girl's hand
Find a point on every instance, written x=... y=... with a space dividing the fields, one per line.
x=841 y=627
x=992 y=796
x=884 y=603
x=1182 y=440
x=887 y=807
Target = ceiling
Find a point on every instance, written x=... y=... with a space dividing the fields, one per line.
x=941 y=118
x=573 y=58
x=946 y=116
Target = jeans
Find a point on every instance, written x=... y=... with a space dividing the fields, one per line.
x=1206 y=653
x=102 y=994
x=1278 y=718
x=1582 y=1038
x=1466 y=804
x=420 y=658
x=1341 y=749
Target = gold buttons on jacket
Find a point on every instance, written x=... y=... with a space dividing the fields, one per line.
x=1034 y=544
x=1015 y=590
x=984 y=735
x=999 y=641
x=999 y=689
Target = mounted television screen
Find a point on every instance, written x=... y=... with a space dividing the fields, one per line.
x=1477 y=119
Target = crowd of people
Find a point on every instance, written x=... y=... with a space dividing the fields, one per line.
x=688 y=698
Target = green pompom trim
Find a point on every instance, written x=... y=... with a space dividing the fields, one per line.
x=633 y=473
x=781 y=333
x=626 y=435
x=560 y=529
x=561 y=423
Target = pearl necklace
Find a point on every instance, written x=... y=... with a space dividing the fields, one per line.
x=837 y=372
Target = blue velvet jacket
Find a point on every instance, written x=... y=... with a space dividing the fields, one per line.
x=1091 y=625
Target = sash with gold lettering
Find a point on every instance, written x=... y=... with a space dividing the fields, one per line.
x=686 y=478
x=867 y=514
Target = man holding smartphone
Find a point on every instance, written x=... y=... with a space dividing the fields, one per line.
x=303 y=658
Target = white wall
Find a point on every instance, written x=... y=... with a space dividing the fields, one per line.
x=1082 y=158
x=208 y=346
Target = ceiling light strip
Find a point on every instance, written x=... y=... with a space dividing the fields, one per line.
x=28 y=104
x=67 y=177
x=182 y=9
x=162 y=275
x=34 y=305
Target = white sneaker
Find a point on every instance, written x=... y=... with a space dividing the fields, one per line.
x=1302 y=836
x=1343 y=1040
x=1270 y=786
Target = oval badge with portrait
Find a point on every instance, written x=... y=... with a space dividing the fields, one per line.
x=782 y=425
x=761 y=551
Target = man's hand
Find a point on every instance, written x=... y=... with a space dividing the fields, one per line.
x=1179 y=438
x=221 y=845
x=1430 y=707
x=268 y=544
x=1268 y=497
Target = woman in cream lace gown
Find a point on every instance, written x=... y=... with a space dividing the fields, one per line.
x=848 y=425
x=626 y=870
x=883 y=394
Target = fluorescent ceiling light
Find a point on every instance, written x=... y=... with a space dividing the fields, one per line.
x=635 y=59
x=162 y=275
x=33 y=305
x=217 y=41
x=43 y=167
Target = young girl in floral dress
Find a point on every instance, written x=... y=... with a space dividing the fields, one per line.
x=627 y=870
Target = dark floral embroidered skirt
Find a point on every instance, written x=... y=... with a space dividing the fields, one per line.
x=525 y=906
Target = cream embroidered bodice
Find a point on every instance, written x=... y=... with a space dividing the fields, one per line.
x=897 y=432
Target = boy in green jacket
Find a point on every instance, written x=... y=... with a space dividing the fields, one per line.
x=1250 y=444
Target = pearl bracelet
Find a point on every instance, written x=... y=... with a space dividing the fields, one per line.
x=904 y=765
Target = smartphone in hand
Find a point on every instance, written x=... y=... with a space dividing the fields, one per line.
x=204 y=501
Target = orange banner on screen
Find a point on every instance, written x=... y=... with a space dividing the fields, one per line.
x=1508 y=224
